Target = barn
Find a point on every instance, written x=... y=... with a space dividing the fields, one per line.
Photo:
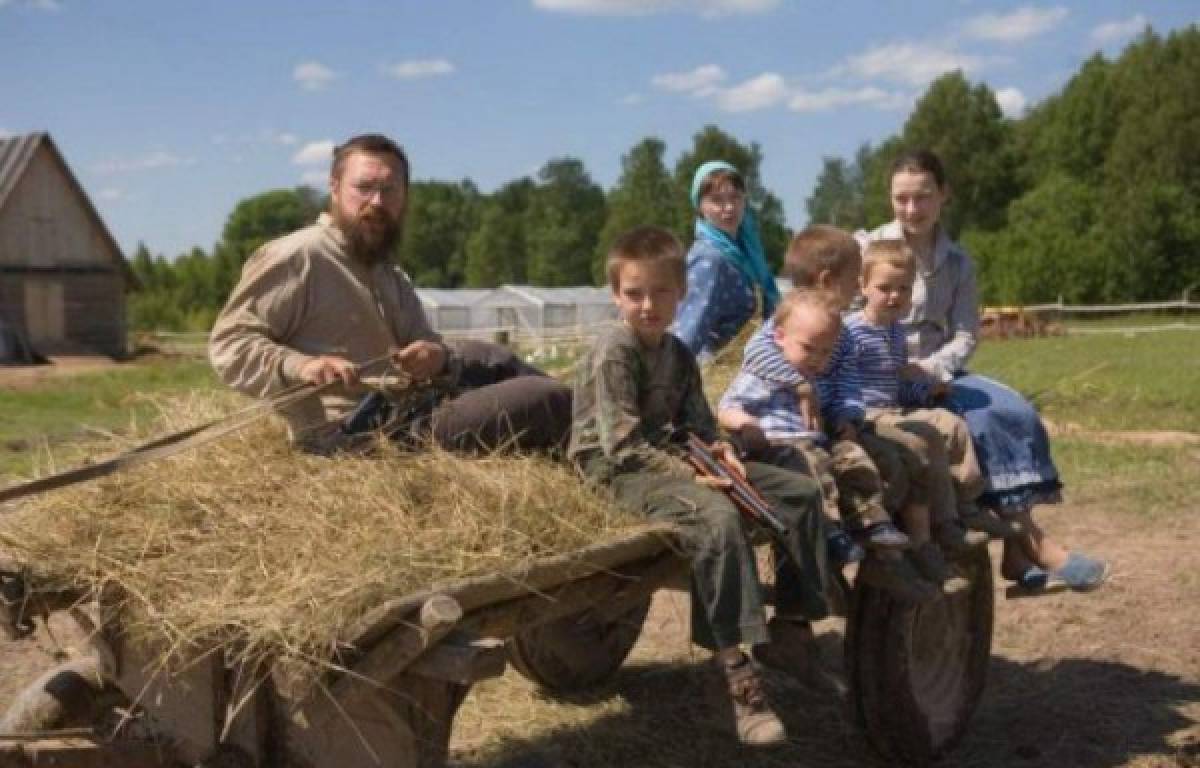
x=62 y=275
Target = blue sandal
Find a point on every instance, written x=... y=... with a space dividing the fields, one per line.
x=1082 y=573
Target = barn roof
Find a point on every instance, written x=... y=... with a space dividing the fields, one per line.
x=15 y=154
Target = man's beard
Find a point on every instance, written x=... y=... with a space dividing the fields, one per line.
x=371 y=237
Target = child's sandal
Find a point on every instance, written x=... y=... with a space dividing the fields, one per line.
x=842 y=549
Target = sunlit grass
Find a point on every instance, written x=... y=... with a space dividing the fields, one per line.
x=1144 y=381
x=71 y=409
x=1141 y=480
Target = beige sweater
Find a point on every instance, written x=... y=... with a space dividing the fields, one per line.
x=302 y=296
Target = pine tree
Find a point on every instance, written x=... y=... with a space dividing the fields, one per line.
x=645 y=195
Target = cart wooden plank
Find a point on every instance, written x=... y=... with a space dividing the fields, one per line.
x=79 y=752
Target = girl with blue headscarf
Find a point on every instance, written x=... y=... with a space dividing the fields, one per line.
x=726 y=267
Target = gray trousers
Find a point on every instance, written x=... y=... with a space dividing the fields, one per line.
x=727 y=599
x=504 y=403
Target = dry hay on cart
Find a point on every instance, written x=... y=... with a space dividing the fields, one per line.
x=248 y=548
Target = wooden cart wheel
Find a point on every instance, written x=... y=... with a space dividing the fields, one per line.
x=72 y=694
x=916 y=673
x=576 y=651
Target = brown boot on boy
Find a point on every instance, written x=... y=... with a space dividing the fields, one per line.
x=757 y=724
x=793 y=650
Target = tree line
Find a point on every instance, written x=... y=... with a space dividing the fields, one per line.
x=1093 y=195
x=550 y=230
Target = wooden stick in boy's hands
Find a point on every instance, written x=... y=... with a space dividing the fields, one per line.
x=748 y=501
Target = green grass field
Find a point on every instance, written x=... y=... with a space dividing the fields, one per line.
x=1147 y=381
x=70 y=409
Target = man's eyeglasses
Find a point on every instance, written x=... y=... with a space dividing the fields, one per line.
x=368 y=189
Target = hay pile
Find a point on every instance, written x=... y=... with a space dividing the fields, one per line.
x=250 y=549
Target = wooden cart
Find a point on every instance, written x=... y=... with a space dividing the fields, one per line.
x=915 y=674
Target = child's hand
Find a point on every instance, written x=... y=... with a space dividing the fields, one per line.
x=724 y=454
x=714 y=482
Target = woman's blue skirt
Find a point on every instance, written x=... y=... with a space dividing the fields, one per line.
x=1010 y=442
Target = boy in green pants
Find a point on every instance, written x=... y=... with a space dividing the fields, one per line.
x=637 y=397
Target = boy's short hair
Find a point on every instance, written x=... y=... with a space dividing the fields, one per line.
x=892 y=252
x=817 y=249
x=807 y=297
x=646 y=244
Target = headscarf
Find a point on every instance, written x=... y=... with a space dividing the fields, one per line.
x=746 y=251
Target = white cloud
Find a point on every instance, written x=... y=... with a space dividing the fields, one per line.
x=316 y=179
x=833 y=98
x=910 y=63
x=4 y=132
x=701 y=81
x=1022 y=24
x=1011 y=100
x=705 y=8
x=1119 y=30
x=417 y=68
x=761 y=92
x=632 y=99
x=110 y=193
x=313 y=75
x=150 y=161
x=314 y=153
x=770 y=89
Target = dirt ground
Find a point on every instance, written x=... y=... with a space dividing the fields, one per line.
x=21 y=377
x=1099 y=680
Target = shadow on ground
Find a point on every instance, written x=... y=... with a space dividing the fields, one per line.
x=1061 y=713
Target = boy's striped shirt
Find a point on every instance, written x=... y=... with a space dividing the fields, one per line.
x=881 y=353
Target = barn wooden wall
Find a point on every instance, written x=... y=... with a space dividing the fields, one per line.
x=92 y=318
x=60 y=278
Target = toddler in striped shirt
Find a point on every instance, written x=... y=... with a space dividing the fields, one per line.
x=901 y=395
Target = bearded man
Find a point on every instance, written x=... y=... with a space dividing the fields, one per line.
x=315 y=305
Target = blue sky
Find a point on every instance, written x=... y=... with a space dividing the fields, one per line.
x=171 y=111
